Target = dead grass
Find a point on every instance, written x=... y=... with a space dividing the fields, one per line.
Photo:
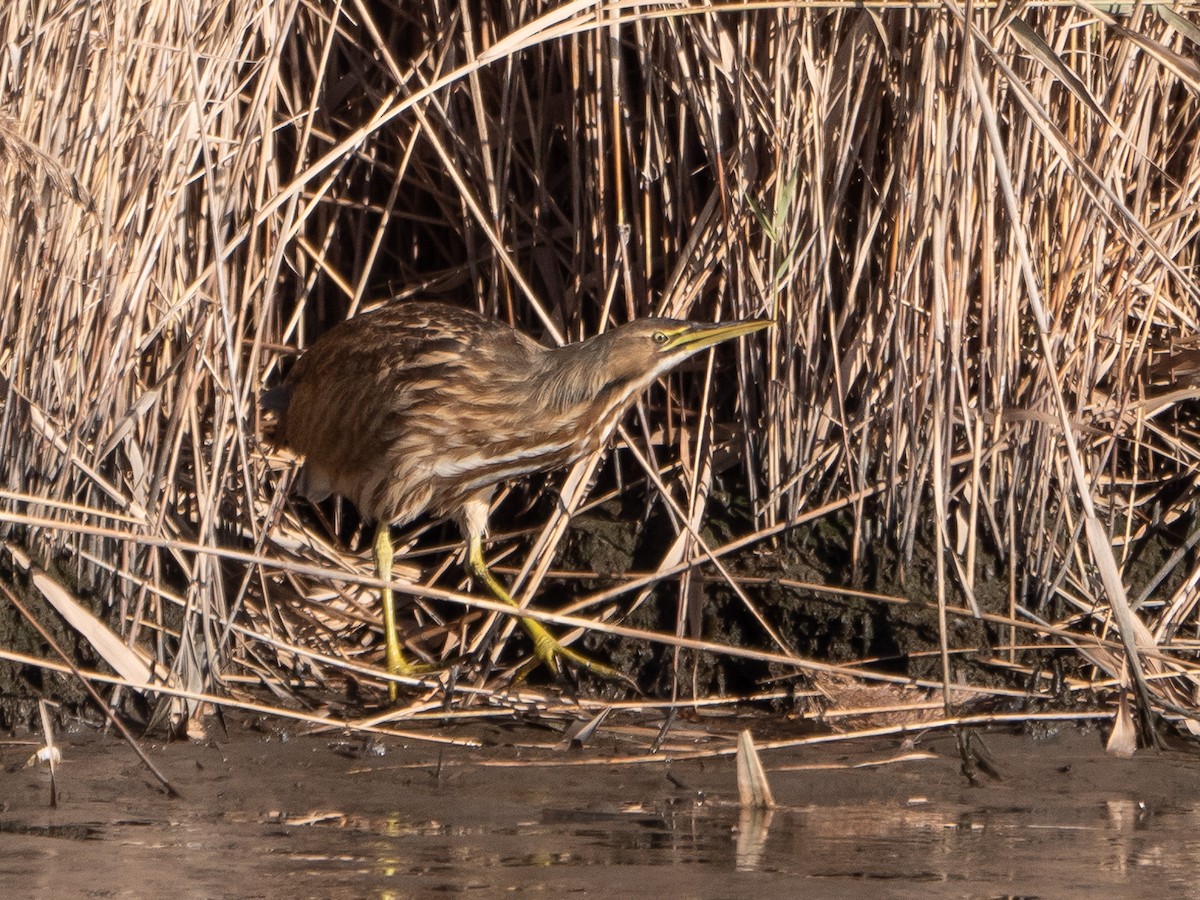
x=978 y=237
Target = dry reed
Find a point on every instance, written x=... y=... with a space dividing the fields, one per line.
x=976 y=226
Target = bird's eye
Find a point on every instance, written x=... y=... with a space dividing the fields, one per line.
x=658 y=337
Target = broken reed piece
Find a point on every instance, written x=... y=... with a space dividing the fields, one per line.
x=753 y=790
x=1122 y=741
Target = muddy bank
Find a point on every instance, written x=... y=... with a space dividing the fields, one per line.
x=272 y=813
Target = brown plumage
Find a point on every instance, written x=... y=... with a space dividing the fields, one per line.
x=419 y=408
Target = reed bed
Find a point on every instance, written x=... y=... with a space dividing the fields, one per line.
x=969 y=442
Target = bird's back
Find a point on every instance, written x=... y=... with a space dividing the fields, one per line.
x=378 y=400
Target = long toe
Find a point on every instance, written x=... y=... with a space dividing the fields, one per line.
x=407 y=669
x=552 y=654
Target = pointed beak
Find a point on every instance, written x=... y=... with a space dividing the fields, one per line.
x=698 y=337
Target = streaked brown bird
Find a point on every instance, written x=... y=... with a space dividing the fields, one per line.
x=419 y=408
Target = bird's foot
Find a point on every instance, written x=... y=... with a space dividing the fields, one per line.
x=398 y=665
x=547 y=651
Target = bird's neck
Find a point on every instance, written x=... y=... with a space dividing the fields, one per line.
x=574 y=375
x=582 y=382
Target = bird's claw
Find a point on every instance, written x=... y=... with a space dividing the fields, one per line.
x=405 y=669
x=550 y=653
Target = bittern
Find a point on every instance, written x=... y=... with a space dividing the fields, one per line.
x=417 y=408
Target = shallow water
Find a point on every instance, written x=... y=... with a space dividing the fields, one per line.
x=265 y=817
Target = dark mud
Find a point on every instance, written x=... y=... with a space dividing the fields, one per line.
x=285 y=814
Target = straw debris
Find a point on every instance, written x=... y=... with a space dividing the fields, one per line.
x=972 y=434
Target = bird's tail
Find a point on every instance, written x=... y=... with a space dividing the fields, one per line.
x=272 y=424
x=272 y=411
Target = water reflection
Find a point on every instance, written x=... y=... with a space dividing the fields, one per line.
x=1020 y=849
x=682 y=847
x=753 y=827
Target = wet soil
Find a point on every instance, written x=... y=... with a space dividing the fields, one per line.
x=270 y=813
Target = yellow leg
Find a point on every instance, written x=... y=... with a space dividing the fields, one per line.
x=384 y=554
x=545 y=647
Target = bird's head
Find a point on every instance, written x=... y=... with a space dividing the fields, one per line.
x=619 y=364
x=646 y=348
